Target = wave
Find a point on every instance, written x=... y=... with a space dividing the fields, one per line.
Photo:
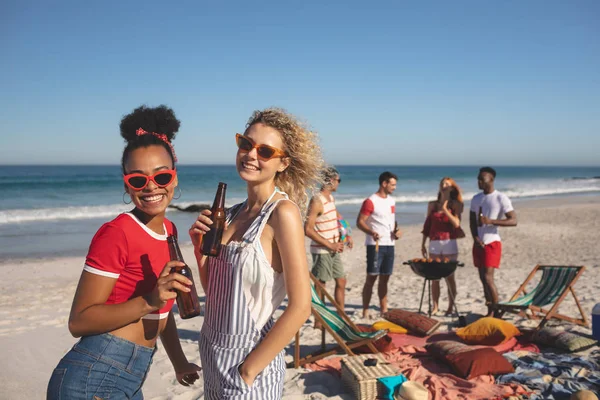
x=511 y=192
x=110 y=211
x=77 y=212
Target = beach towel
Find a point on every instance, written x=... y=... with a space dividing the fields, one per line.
x=554 y=376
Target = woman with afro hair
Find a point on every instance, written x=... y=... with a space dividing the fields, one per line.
x=126 y=290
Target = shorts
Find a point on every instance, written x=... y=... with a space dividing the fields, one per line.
x=101 y=366
x=384 y=265
x=488 y=256
x=443 y=247
x=328 y=266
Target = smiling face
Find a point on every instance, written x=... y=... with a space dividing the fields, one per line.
x=151 y=200
x=249 y=166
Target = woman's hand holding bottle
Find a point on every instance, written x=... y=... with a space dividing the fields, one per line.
x=167 y=285
x=200 y=227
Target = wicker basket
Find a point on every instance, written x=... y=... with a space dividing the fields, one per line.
x=362 y=380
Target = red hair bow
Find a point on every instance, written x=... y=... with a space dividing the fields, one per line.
x=161 y=136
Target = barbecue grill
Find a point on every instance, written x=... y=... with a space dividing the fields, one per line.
x=432 y=271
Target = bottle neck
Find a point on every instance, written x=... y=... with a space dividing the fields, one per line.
x=174 y=250
x=219 y=202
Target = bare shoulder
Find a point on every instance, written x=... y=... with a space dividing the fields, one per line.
x=286 y=211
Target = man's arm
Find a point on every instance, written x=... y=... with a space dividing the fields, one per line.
x=473 y=226
x=511 y=220
x=361 y=223
x=315 y=208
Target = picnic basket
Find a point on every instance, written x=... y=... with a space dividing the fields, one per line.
x=362 y=380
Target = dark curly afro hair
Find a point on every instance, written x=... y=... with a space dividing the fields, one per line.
x=161 y=120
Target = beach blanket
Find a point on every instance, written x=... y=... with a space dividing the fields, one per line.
x=417 y=365
x=554 y=376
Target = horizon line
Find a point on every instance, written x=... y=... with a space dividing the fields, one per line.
x=333 y=164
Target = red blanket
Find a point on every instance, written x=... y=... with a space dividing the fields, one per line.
x=417 y=365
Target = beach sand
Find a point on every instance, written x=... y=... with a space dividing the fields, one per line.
x=36 y=296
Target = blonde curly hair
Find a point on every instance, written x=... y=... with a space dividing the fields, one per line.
x=302 y=176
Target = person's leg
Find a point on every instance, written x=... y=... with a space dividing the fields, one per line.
x=367 y=292
x=372 y=274
x=484 y=283
x=382 y=289
x=339 y=275
x=435 y=286
x=340 y=291
x=322 y=270
x=386 y=255
x=451 y=283
x=491 y=287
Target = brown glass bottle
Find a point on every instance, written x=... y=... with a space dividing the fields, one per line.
x=187 y=302
x=211 y=243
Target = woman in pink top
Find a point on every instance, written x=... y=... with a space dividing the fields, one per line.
x=442 y=227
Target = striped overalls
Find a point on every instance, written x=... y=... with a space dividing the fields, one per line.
x=229 y=333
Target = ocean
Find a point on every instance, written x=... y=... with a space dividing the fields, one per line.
x=55 y=210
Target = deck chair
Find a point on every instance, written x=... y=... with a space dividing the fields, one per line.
x=337 y=324
x=555 y=284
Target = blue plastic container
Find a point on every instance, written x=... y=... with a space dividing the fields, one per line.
x=596 y=322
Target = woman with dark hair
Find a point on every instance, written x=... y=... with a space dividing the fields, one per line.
x=262 y=260
x=126 y=290
x=442 y=227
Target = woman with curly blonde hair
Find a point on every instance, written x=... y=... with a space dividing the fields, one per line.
x=262 y=259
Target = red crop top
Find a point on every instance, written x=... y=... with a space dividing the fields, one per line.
x=438 y=227
x=127 y=250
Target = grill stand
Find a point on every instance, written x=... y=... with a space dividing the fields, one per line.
x=452 y=297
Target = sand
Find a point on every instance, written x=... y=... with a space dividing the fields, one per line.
x=36 y=296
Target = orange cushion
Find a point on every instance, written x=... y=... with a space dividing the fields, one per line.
x=471 y=364
x=489 y=331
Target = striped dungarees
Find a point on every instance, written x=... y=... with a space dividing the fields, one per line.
x=229 y=332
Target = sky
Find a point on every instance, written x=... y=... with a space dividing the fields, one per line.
x=398 y=83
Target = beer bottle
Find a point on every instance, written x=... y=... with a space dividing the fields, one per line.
x=187 y=302
x=479 y=217
x=211 y=243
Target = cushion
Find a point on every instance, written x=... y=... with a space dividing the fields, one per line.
x=414 y=322
x=390 y=326
x=471 y=364
x=489 y=331
x=383 y=344
x=569 y=341
x=390 y=383
x=442 y=349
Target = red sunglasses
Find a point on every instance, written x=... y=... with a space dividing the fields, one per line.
x=162 y=179
x=263 y=151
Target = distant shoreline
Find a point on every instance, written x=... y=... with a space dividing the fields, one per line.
x=349 y=213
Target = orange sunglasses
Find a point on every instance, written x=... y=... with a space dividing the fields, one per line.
x=138 y=181
x=263 y=151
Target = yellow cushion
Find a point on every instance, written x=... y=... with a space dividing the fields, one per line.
x=391 y=327
x=489 y=331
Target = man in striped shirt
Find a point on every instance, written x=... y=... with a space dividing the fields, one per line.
x=322 y=227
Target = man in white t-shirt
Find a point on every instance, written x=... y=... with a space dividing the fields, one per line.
x=487 y=211
x=377 y=218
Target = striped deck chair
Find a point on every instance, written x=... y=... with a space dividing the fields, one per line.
x=337 y=324
x=555 y=284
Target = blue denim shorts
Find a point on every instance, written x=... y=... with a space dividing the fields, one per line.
x=101 y=367
x=384 y=264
